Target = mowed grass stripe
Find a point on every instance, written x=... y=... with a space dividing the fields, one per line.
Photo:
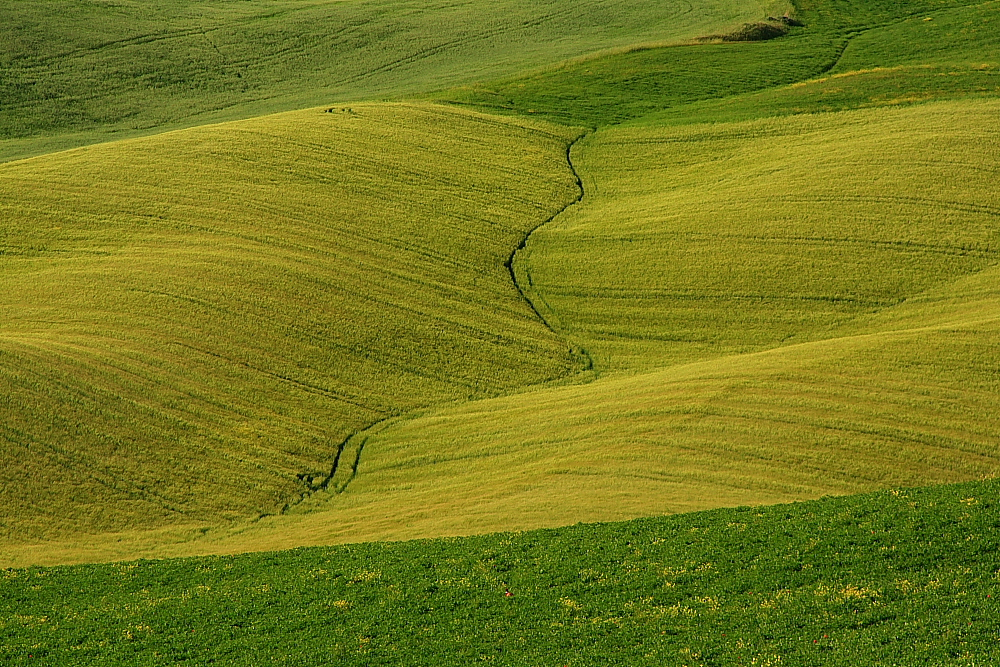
x=207 y=314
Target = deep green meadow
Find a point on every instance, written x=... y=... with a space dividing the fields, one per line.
x=902 y=578
x=850 y=55
x=944 y=54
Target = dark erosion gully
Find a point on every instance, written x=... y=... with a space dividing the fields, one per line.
x=319 y=482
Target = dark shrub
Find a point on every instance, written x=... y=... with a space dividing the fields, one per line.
x=757 y=32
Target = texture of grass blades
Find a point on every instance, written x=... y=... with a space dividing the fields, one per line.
x=705 y=240
x=77 y=72
x=180 y=350
x=959 y=36
x=834 y=417
x=906 y=578
x=901 y=85
x=903 y=397
x=191 y=321
x=914 y=404
x=807 y=229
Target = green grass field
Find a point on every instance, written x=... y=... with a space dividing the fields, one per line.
x=905 y=578
x=385 y=270
x=939 y=55
x=611 y=89
x=850 y=55
x=75 y=72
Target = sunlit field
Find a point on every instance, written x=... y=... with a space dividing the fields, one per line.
x=896 y=578
x=388 y=332
x=75 y=72
x=193 y=323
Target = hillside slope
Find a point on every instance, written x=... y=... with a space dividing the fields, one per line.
x=778 y=303
x=738 y=237
x=894 y=300
x=849 y=54
x=190 y=324
x=74 y=72
x=694 y=251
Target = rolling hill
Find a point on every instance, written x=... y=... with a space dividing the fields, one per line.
x=176 y=348
x=74 y=73
x=325 y=325
x=321 y=272
x=722 y=396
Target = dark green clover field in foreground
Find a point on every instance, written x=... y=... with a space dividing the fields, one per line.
x=891 y=578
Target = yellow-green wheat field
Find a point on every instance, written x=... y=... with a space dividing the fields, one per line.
x=775 y=310
x=192 y=323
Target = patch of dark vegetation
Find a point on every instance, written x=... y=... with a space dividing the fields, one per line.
x=758 y=32
x=787 y=20
x=624 y=86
